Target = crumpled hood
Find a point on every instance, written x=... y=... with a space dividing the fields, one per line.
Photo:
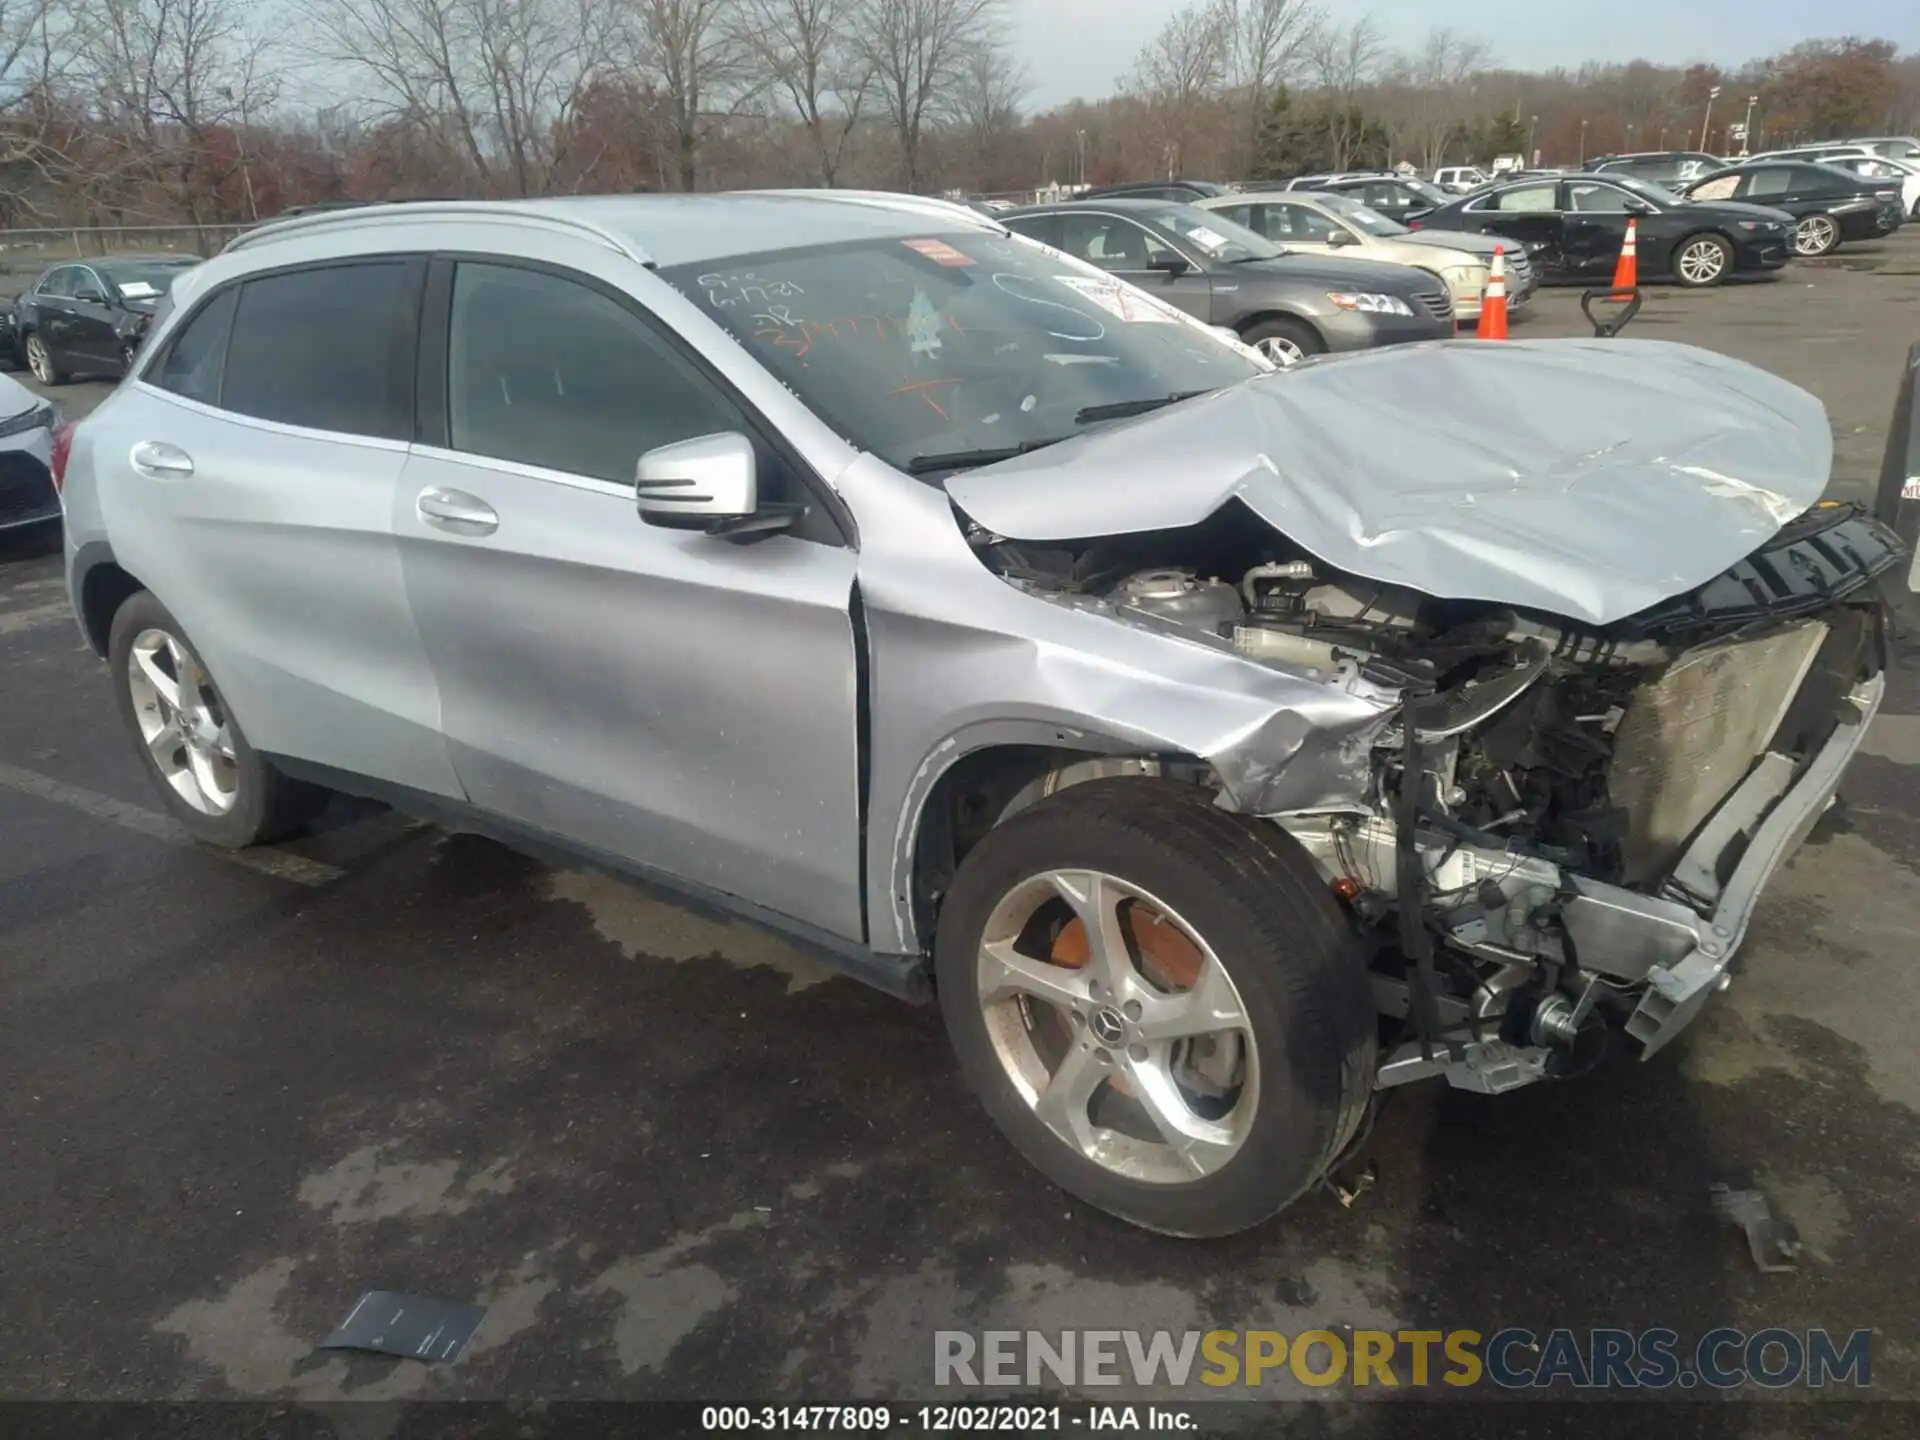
x=1472 y=242
x=1587 y=478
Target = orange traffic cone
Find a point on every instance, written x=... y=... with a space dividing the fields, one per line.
x=1493 y=305
x=1626 y=274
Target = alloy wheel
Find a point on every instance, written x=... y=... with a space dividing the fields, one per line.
x=38 y=360
x=1816 y=235
x=1702 y=262
x=182 y=722
x=1281 y=350
x=1118 y=1026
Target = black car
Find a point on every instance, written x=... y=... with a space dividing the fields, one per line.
x=13 y=355
x=1574 y=227
x=87 y=316
x=1287 y=306
x=1829 y=206
x=1661 y=167
x=1179 y=191
x=1394 y=196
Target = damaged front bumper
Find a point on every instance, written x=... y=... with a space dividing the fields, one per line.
x=1664 y=955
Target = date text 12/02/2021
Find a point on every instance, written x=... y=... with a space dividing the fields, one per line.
x=948 y=1419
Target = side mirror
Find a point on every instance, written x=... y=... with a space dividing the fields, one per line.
x=1341 y=239
x=92 y=297
x=695 y=484
x=1639 y=207
x=1173 y=266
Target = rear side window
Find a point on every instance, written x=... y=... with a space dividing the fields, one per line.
x=1777 y=181
x=318 y=348
x=1527 y=199
x=194 y=359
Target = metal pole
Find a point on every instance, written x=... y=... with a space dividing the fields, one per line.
x=1707 y=119
x=1583 y=145
x=1746 y=130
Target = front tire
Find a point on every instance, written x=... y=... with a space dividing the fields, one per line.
x=1159 y=1004
x=1702 y=261
x=1284 y=340
x=210 y=779
x=40 y=362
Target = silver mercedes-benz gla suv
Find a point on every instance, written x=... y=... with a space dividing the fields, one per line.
x=1221 y=745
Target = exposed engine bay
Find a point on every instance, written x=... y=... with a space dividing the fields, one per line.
x=1551 y=848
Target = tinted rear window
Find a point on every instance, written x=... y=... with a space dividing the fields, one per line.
x=316 y=348
x=195 y=355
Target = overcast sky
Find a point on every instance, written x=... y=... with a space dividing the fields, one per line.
x=1083 y=47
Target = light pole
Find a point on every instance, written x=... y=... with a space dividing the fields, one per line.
x=1583 y=145
x=1707 y=119
x=1746 y=130
x=1533 y=124
x=1080 y=142
x=1172 y=149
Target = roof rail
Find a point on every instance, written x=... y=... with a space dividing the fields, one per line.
x=891 y=200
x=378 y=212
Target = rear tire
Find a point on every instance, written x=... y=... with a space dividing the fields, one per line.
x=210 y=779
x=1815 y=236
x=1269 y=954
x=1284 y=340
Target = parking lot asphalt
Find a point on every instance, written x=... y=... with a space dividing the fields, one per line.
x=675 y=1159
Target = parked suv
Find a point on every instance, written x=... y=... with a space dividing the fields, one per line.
x=1222 y=744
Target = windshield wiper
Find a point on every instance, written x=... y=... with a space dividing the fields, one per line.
x=1120 y=409
x=961 y=459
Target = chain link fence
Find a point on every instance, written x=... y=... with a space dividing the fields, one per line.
x=25 y=253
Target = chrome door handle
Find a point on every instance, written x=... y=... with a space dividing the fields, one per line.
x=457 y=511
x=158 y=460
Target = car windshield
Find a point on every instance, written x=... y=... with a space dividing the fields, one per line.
x=958 y=344
x=142 y=280
x=1215 y=236
x=1432 y=194
x=1364 y=218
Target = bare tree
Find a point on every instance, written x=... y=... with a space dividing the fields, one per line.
x=175 y=83
x=985 y=105
x=1343 y=59
x=693 y=48
x=817 y=64
x=1436 y=102
x=493 y=79
x=1182 y=67
x=1266 y=38
x=918 y=49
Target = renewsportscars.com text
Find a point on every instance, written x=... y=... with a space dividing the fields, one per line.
x=1511 y=1359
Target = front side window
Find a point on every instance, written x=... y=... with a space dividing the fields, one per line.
x=316 y=348
x=1364 y=218
x=927 y=346
x=1594 y=199
x=1112 y=243
x=1296 y=224
x=57 y=282
x=1215 y=236
x=1720 y=187
x=548 y=371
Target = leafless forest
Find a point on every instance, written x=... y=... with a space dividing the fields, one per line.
x=147 y=112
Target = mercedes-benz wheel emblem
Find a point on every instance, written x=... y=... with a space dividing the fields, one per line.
x=1107 y=1026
